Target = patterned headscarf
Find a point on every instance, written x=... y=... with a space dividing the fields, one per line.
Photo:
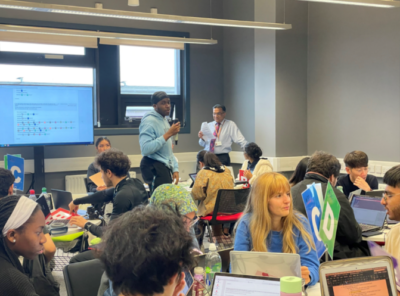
x=174 y=195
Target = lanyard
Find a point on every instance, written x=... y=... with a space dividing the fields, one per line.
x=220 y=128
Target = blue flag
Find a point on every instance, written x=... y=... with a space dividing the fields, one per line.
x=17 y=168
x=313 y=209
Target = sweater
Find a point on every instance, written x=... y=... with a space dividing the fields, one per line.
x=349 y=186
x=152 y=143
x=263 y=166
x=275 y=244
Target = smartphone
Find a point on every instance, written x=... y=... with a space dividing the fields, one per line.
x=189 y=282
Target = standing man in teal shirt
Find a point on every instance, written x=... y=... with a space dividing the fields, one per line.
x=158 y=162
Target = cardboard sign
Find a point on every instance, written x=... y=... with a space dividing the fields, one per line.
x=313 y=209
x=330 y=218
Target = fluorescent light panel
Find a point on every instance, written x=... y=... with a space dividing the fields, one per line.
x=88 y=11
x=371 y=3
x=106 y=35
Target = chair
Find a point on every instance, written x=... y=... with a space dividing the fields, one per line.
x=229 y=207
x=83 y=278
x=87 y=184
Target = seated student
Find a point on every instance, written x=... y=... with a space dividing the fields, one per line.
x=21 y=227
x=179 y=197
x=323 y=168
x=126 y=194
x=299 y=172
x=6 y=182
x=357 y=174
x=269 y=224
x=102 y=144
x=146 y=268
x=391 y=201
x=254 y=165
x=212 y=177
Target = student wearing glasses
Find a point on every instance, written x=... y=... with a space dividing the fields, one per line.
x=357 y=174
x=226 y=132
x=102 y=144
x=391 y=202
x=270 y=224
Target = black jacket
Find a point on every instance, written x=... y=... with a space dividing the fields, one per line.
x=129 y=193
x=349 y=242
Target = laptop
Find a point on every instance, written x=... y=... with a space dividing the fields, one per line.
x=193 y=177
x=61 y=199
x=372 y=276
x=265 y=264
x=226 y=284
x=50 y=219
x=369 y=212
x=375 y=193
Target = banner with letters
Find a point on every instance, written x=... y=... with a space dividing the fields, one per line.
x=17 y=167
x=330 y=218
x=313 y=209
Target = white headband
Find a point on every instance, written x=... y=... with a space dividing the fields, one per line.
x=20 y=214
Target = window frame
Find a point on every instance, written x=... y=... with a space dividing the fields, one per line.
x=92 y=59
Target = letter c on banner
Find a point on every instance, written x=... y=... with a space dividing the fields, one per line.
x=13 y=169
x=328 y=217
x=315 y=213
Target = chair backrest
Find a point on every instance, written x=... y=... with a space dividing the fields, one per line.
x=83 y=278
x=230 y=201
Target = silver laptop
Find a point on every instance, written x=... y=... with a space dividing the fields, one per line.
x=372 y=276
x=226 y=284
x=369 y=212
x=265 y=264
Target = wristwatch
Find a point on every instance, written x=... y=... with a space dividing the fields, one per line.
x=87 y=226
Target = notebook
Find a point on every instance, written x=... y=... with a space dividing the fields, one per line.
x=372 y=276
x=369 y=212
x=265 y=264
x=226 y=284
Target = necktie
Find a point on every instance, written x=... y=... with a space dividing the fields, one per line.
x=212 y=144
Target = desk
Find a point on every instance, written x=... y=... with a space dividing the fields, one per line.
x=380 y=238
x=314 y=290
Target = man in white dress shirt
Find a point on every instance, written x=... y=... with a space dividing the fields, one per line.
x=225 y=132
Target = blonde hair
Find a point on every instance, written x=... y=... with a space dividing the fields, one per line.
x=263 y=189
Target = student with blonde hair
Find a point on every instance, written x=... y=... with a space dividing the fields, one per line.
x=269 y=224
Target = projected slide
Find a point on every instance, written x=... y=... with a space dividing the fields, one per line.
x=46 y=115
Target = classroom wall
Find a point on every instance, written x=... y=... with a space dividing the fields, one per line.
x=353 y=80
x=206 y=69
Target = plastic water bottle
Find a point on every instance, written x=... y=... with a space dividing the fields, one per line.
x=213 y=265
x=46 y=196
x=32 y=195
x=198 y=285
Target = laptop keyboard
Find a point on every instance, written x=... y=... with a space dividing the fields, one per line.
x=366 y=228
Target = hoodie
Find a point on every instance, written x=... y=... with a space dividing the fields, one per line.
x=152 y=142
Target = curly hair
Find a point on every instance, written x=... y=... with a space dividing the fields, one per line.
x=324 y=163
x=115 y=161
x=144 y=248
x=6 y=180
x=253 y=150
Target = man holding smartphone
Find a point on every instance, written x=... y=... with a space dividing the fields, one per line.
x=158 y=164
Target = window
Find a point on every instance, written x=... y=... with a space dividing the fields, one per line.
x=41 y=48
x=43 y=75
x=145 y=70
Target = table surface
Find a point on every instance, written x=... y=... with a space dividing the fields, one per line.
x=314 y=290
x=380 y=238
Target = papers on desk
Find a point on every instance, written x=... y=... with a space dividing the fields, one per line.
x=97 y=179
x=207 y=132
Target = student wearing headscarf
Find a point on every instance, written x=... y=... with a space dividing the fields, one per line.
x=177 y=196
x=21 y=234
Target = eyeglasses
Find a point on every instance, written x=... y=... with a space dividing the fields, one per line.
x=387 y=195
x=219 y=113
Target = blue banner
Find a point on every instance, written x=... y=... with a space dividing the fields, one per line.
x=313 y=209
x=17 y=168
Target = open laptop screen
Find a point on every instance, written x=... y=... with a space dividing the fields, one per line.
x=239 y=285
x=368 y=210
x=371 y=281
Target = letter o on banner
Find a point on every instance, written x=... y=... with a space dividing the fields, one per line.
x=329 y=218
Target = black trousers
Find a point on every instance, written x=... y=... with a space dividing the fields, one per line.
x=224 y=158
x=155 y=173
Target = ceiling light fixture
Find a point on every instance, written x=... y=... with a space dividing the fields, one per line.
x=141 y=16
x=105 y=35
x=371 y=3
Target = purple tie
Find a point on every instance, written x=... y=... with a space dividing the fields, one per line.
x=212 y=144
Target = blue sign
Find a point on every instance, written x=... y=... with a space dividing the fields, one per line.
x=17 y=168
x=313 y=209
